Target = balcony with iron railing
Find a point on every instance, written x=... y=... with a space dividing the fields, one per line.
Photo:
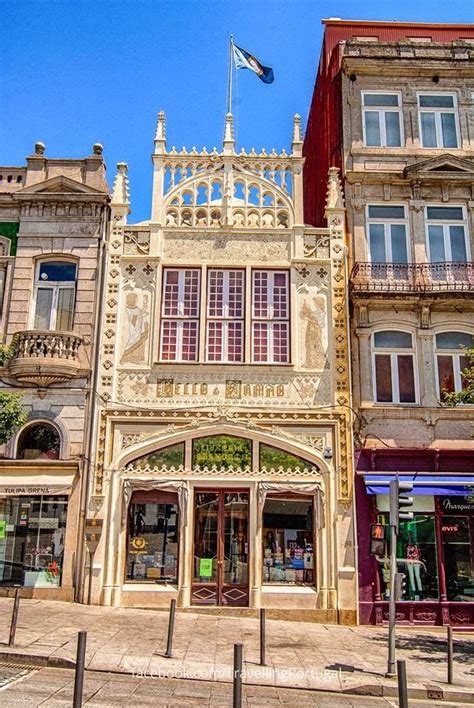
x=43 y=357
x=412 y=278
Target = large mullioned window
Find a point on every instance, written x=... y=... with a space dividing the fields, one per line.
x=180 y=314
x=270 y=317
x=225 y=313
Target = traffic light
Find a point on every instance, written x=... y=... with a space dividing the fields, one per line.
x=399 y=501
x=400 y=586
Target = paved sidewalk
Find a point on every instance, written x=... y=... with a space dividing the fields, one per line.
x=299 y=655
x=54 y=688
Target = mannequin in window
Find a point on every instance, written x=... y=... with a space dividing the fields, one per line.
x=270 y=544
x=414 y=565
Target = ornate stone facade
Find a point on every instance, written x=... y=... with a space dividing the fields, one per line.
x=226 y=211
x=53 y=219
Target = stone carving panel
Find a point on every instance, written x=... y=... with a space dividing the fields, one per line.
x=232 y=248
x=165 y=388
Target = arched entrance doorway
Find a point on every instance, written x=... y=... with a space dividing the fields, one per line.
x=219 y=517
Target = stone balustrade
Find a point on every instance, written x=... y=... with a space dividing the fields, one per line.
x=42 y=357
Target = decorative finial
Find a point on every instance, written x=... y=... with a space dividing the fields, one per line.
x=160 y=135
x=297 y=137
x=40 y=148
x=120 y=192
x=98 y=149
x=229 y=141
x=334 y=195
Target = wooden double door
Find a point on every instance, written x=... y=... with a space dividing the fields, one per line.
x=220 y=553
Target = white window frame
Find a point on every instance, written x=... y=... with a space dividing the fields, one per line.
x=225 y=319
x=56 y=286
x=382 y=110
x=386 y=222
x=394 y=353
x=437 y=116
x=455 y=354
x=268 y=320
x=446 y=223
x=180 y=318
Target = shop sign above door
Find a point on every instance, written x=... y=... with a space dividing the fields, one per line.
x=458 y=504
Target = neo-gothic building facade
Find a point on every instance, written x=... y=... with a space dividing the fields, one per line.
x=223 y=471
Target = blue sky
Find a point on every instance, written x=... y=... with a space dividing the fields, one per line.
x=76 y=73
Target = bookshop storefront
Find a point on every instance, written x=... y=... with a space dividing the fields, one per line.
x=435 y=549
x=229 y=534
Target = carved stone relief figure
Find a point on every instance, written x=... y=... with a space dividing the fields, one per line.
x=313 y=312
x=138 y=328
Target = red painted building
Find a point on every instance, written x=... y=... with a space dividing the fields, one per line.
x=393 y=108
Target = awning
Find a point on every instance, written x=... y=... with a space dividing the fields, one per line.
x=18 y=484
x=438 y=484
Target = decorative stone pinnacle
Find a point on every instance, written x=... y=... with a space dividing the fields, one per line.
x=97 y=149
x=40 y=148
x=297 y=137
x=334 y=195
x=120 y=192
x=229 y=132
x=160 y=135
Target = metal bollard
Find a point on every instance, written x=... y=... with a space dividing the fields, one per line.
x=450 y=655
x=79 y=673
x=402 y=683
x=262 y=638
x=16 y=606
x=169 y=645
x=237 y=678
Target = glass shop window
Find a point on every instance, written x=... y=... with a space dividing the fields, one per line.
x=416 y=559
x=223 y=451
x=32 y=533
x=288 y=541
x=170 y=456
x=457 y=532
x=153 y=537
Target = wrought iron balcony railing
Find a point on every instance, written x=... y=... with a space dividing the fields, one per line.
x=412 y=277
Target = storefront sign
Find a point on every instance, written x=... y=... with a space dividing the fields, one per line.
x=92 y=531
x=33 y=491
x=3 y=529
x=449 y=529
x=205 y=567
x=457 y=504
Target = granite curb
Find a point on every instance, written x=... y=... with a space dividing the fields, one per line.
x=383 y=690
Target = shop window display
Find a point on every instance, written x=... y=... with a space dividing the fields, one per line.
x=416 y=559
x=288 y=543
x=32 y=537
x=457 y=532
x=153 y=531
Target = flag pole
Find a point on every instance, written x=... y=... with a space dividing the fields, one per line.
x=229 y=79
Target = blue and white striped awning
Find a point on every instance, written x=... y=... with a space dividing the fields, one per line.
x=460 y=485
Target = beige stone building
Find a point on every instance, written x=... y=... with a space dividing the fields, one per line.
x=223 y=473
x=53 y=225
x=400 y=102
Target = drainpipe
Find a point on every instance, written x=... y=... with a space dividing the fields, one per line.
x=90 y=412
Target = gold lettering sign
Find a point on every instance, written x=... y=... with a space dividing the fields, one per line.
x=233 y=389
